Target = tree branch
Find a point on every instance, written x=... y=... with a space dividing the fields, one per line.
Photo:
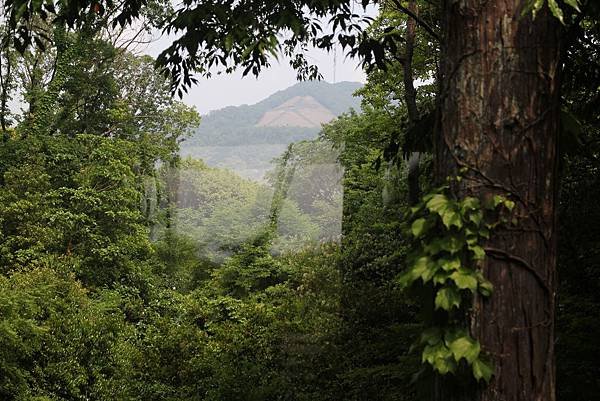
x=418 y=20
x=503 y=255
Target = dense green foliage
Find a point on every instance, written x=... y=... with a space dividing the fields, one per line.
x=127 y=273
x=115 y=279
x=230 y=137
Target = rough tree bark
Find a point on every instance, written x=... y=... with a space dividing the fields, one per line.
x=499 y=119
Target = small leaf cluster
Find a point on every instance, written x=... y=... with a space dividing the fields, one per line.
x=534 y=6
x=448 y=235
x=444 y=348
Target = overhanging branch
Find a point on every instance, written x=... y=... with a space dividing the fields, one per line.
x=418 y=20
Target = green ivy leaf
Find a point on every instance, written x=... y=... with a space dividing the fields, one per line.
x=418 y=227
x=433 y=351
x=447 y=298
x=439 y=357
x=472 y=240
x=510 y=205
x=424 y=268
x=434 y=247
x=444 y=365
x=469 y=203
x=431 y=336
x=478 y=252
x=449 y=264
x=482 y=370
x=406 y=279
x=441 y=277
x=465 y=347
x=476 y=217
x=438 y=204
x=465 y=279
x=497 y=200
x=484 y=232
x=415 y=209
x=451 y=218
x=452 y=244
x=485 y=288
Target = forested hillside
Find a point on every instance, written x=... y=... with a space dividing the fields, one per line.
x=438 y=242
x=239 y=125
x=246 y=138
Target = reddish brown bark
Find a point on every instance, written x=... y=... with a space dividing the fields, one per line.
x=499 y=118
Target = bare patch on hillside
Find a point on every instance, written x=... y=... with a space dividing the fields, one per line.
x=299 y=111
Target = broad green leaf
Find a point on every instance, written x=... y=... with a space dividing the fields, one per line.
x=433 y=351
x=406 y=279
x=439 y=357
x=478 y=252
x=444 y=365
x=431 y=336
x=427 y=197
x=510 y=205
x=482 y=370
x=484 y=232
x=416 y=209
x=423 y=267
x=465 y=279
x=497 y=200
x=465 y=347
x=476 y=217
x=452 y=334
x=441 y=277
x=469 y=203
x=438 y=204
x=452 y=244
x=418 y=227
x=449 y=264
x=472 y=240
x=486 y=288
x=435 y=246
x=447 y=298
x=451 y=218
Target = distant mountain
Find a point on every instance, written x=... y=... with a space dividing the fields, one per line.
x=246 y=138
x=289 y=115
x=299 y=111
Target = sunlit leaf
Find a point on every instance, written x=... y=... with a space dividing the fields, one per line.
x=482 y=370
x=447 y=298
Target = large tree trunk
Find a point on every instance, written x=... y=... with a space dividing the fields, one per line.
x=500 y=120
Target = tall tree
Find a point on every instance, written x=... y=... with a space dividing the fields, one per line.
x=499 y=122
x=498 y=125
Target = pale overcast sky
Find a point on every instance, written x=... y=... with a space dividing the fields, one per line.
x=233 y=89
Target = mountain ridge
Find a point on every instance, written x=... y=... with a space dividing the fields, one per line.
x=299 y=111
x=239 y=125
